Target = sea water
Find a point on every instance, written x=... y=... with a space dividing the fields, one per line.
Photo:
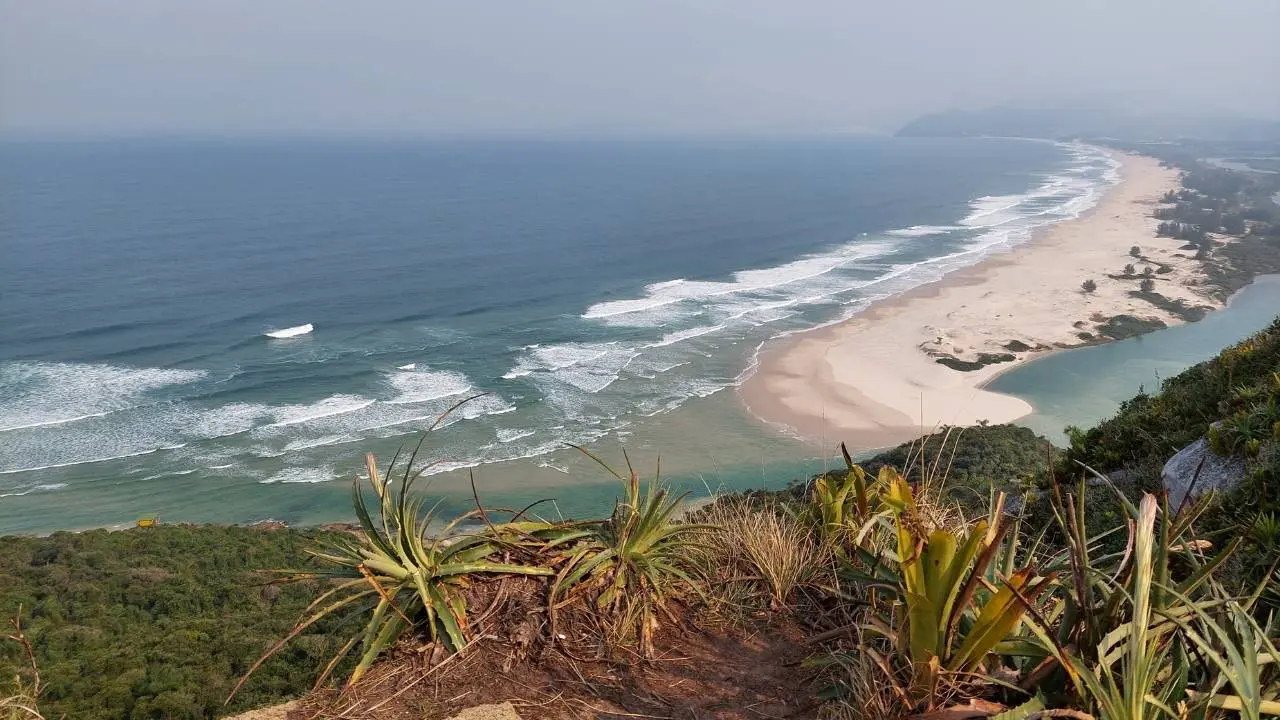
x=218 y=330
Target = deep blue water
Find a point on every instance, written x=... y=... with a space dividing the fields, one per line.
x=580 y=284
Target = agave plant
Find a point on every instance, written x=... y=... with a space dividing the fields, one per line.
x=409 y=572
x=631 y=564
x=953 y=599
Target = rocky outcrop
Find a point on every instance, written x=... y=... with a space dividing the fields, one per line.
x=1197 y=469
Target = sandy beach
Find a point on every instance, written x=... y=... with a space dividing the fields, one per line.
x=875 y=380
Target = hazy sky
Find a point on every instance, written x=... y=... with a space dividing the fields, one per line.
x=413 y=66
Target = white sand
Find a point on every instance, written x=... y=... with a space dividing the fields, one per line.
x=873 y=380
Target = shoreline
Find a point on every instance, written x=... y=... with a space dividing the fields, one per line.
x=874 y=379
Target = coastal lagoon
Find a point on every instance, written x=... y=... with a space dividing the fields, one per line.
x=1084 y=385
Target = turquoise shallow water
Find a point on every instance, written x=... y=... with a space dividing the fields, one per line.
x=1085 y=385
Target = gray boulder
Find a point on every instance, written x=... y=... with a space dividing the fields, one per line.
x=1215 y=472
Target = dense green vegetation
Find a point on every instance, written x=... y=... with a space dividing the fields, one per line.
x=975 y=460
x=158 y=622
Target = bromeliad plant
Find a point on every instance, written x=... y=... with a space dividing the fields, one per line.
x=633 y=563
x=1149 y=634
x=845 y=505
x=945 y=600
x=411 y=574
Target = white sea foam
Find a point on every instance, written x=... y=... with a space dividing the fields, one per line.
x=46 y=487
x=44 y=394
x=305 y=475
x=425 y=385
x=506 y=435
x=90 y=460
x=680 y=291
x=410 y=366
x=924 y=230
x=290 y=331
x=328 y=407
x=682 y=335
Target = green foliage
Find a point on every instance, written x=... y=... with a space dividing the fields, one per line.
x=159 y=622
x=1149 y=429
x=407 y=573
x=976 y=461
x=633 y=563
x=1089 y=286
x=948 y=601
x=844 y=503
x=1141 y=634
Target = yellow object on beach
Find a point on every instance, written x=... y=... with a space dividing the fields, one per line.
x=147 y=522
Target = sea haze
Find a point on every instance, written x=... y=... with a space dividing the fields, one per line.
x=259 y=313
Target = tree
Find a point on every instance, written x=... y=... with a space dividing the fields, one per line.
x=1148 y=285
x=1128 y=269
x=1148 y=270
x=1088 y=286
x=1135 y=251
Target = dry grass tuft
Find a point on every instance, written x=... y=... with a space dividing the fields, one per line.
x=756 y=557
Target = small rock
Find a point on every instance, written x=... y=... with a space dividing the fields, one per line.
x=1216 y=473
x=500 y=711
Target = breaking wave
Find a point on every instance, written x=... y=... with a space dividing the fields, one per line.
x=290 y=332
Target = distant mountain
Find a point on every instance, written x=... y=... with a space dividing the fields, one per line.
x=1076 y=122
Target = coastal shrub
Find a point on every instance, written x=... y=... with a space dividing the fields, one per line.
x=970 y=465
x=1129 y=269
x=1149 y=428
x=1147 y=285
x=1135 y=251
x=1089 y=286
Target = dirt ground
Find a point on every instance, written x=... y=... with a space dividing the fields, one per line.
x=696 y=675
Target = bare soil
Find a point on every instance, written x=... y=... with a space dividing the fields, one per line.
x=697 y=675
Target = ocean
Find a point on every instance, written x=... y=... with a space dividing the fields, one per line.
x=217 y=330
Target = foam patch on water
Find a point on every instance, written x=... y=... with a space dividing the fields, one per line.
x=924 y=230
x=419 y=386
x=301 y=475
x=42 y=394
x=45 y=487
